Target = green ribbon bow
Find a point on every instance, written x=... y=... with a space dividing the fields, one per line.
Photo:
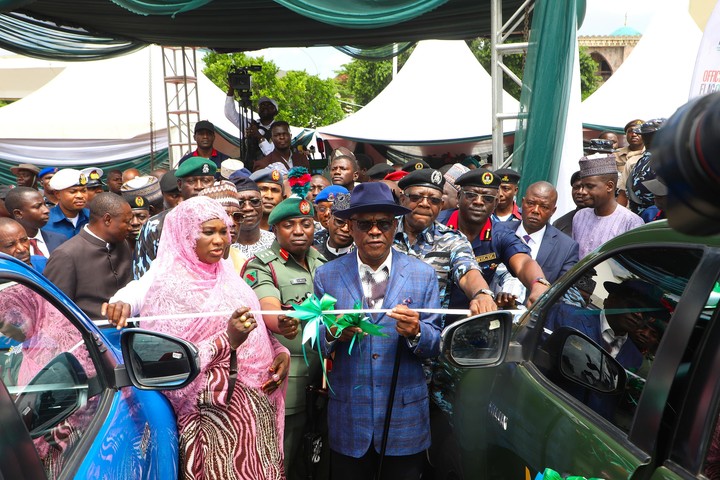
x=358 y=320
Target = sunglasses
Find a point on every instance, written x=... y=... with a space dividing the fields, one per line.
x=472 y=196
x=255 y=202
x=414 y=198
x=367 y=225
x=238 y=216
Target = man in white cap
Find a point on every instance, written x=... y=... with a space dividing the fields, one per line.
x=69 y=215
x=606 y=218
x=257 y=132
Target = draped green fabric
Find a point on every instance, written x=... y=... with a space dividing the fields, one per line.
x=33 y=38
x=383 y=52
x=145 y=164
x=161 y=7
x=545 y=93
x=361 y=13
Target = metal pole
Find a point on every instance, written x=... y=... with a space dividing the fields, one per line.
x=497 y=82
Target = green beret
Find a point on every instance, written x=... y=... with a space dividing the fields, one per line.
x=478 y=177
x=291 y=208
x=196 y=167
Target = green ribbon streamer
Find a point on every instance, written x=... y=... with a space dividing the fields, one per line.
x=360 y=321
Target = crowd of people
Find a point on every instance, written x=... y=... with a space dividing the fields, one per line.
x=216 y=234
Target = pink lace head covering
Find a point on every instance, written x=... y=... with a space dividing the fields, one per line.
x=184 y=284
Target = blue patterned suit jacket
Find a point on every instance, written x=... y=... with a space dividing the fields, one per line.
x=360 y=381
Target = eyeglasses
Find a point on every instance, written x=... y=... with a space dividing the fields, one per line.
x=472 y=196
x=367 y=225
x=238 y=216
x=339 y=223
x=414 y=198
x=255 y=202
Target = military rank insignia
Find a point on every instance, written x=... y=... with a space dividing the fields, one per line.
x=251 y=278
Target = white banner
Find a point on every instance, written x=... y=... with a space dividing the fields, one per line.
x=706 y=76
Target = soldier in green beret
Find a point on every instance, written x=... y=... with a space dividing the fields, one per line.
x=282 y=276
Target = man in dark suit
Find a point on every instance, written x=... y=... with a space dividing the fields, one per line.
x=554 y=251
x=97 y=262
x=27 y=206
x=380 y=277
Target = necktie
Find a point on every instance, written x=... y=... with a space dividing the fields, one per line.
x=377 y=288
x=34 y=245
x=527 y=239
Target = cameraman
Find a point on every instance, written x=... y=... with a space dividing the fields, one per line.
x=257 y=132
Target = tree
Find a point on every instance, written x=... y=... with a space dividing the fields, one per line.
x=362 y=80
x=589 y=81
x=305 y=100
x=310 y=101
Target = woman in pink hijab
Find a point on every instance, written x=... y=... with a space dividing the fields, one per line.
x=230 y=426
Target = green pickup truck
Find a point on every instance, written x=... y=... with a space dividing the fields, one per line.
x=613 y=374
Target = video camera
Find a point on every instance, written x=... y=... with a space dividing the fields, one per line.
x=240 y=79
x=686 y=155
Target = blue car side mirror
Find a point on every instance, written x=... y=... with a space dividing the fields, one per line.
x=156 y=361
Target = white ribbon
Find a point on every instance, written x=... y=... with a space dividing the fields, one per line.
x=227 y=313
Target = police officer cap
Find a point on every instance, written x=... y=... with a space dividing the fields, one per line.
x=66 y=178
x=196 y=167
x=411 y=166
x=650 y=126
x=427 y=177
x=267 y=175
x=378 y=172
x=291 y=208
x=600 y=145
x=478 y=177
x=328 y=194
x=507 y=175
x=138 y=202
x=94 y=176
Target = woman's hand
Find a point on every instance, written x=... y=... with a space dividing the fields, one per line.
x=240 y=325
x=279 y=370
x=117 y=313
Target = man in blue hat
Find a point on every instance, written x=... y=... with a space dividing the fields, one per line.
x=44 y=178
x=507 y=209
x=378 y=276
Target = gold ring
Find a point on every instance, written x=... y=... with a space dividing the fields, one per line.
x=247 y=324
x=243 y=317
x=279 y=382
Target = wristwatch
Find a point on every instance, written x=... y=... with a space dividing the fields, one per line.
x=484 y=291
x=543 y=281
x=416 y=339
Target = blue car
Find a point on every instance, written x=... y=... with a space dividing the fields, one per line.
x=77 y=401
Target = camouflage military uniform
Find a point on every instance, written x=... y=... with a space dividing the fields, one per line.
x=444 y=249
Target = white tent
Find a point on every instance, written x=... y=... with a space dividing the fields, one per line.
x=23 y=75
x=441 y=96
x=99 y=112
x=655 y=79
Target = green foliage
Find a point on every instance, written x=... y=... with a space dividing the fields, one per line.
x=589 y=81
x=362 y=80
x=309 y=100
x=5 y=102
x=305 y=100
